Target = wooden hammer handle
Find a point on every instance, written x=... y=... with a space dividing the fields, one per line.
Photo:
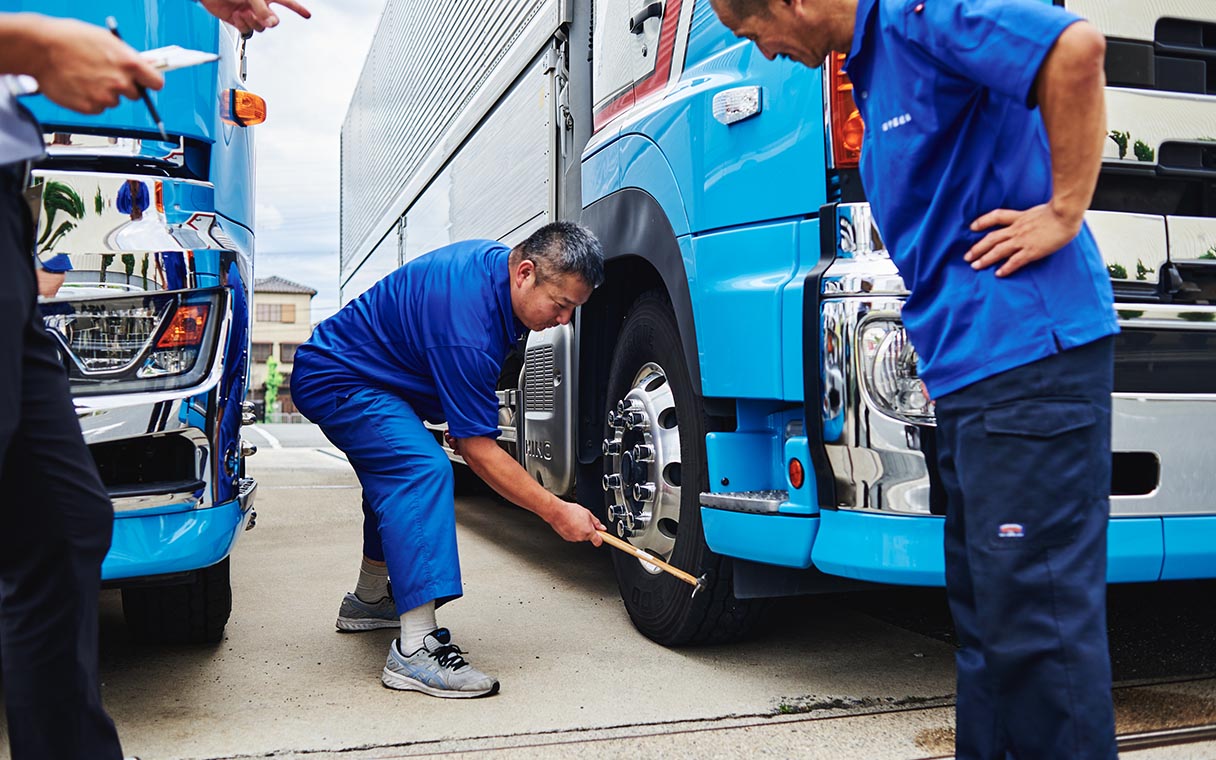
x=629 y=548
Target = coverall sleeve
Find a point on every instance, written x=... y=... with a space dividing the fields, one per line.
x=465 y=379
x=998 y=44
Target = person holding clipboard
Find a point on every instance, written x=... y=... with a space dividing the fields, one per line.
x=55 y=516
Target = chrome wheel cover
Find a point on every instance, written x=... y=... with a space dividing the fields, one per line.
x=642 y=465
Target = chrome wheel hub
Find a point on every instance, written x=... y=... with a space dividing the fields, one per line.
x=642 y=465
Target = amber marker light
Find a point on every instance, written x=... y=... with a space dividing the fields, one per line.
x=242 y=108
x=847 y=125
x=797 y=474
x=187 y=327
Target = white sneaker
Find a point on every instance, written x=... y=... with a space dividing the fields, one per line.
x=437 y=669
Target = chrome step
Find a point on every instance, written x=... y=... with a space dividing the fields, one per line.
x=764 y=502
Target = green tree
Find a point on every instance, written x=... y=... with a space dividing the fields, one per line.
x=274 y=378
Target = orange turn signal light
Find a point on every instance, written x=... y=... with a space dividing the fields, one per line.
x=242 y=108
x=848 y=128
x=187 y=327
x=797 y=474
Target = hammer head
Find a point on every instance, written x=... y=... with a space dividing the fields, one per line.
x=702 y=583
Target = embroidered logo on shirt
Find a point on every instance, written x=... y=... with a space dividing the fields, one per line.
x=1011 y=530
x=897 y=122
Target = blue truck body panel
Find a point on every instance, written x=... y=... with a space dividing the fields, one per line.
x=744 y=200
x=203 y=238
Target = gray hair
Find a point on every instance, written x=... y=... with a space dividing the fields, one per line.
x=563 y=248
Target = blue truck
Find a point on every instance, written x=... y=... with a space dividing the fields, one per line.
x=740 y=398
x=145 y=248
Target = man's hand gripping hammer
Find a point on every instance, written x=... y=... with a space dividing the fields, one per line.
x=697 y=583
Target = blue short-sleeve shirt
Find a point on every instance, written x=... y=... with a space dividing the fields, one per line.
x=435 y=331
x=946 y=91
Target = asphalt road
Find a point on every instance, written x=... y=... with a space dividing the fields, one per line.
x=857 y=675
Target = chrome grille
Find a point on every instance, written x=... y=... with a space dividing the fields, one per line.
x=538 y=392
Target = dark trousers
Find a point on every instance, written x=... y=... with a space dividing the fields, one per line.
x=55 y=527
x=1025 y=463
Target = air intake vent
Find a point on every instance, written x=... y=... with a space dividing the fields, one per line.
x=538 y=392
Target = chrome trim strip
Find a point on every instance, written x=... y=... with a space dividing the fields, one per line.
x=183 y=501
x=247 y=492
x=1189 y=317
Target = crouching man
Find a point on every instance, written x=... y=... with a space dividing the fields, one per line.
x=428 y=342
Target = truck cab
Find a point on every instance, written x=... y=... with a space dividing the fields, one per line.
x=739 y=398
x=145 y=250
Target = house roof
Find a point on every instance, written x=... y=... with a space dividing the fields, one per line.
x=278 y=284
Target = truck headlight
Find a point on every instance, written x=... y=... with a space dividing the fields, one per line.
x=145 y=342
x=890 y=380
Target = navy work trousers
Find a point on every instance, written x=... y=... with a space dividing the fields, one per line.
x=55 y=526
x=1025 y=462
x=408 y=508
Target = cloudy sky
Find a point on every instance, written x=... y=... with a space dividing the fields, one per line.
x=306 y=71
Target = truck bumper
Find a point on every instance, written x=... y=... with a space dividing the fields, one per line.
x=163 y=544
x=907 y=550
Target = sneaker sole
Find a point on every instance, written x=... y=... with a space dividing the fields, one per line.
x=353 y=625
x=394 y=680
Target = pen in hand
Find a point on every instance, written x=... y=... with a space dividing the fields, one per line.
x=112 y=25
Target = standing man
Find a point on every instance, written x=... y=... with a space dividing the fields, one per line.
x=55 y=516
x=985 y=124
x=428 y=343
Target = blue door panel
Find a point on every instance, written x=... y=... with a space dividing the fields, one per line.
x=737 y=293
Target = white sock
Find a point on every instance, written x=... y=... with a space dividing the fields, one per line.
x=415 y=625
x=373 y=582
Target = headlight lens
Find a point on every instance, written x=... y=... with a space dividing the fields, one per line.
x=889 y=373
x=149 y=342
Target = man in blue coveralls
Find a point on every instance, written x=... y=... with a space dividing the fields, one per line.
x=428 y=342
x=985 y=123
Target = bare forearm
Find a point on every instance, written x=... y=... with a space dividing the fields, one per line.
x=1070 y=91
x=21 y=45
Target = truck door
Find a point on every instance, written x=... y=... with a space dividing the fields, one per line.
x=613 y=51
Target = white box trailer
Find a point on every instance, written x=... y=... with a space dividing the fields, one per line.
x=457 y=129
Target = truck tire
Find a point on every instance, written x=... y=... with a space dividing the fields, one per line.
x=185 y=613
x=649 y=379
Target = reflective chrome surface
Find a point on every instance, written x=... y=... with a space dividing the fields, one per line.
x=642 y=464
x=112 y=233
x=876 y=459
x=69 y=145
x=547 y=394
x=862 y=266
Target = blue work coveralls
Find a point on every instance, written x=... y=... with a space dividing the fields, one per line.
x=427 y=342
x=1021 y=367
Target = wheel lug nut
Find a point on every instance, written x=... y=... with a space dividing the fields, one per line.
x=643 y=491
x=635 y=419
x=612 y=448
x=612 y=481
x=642 y=453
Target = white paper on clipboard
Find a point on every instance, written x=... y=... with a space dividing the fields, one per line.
x=173 y=57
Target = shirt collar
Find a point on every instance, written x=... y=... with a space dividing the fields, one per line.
x=511 y=323
x=861 y=26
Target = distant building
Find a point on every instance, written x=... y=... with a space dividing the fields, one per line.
x=282 y=320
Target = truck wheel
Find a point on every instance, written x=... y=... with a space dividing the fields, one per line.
x=654 y=473
x=184 y=613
